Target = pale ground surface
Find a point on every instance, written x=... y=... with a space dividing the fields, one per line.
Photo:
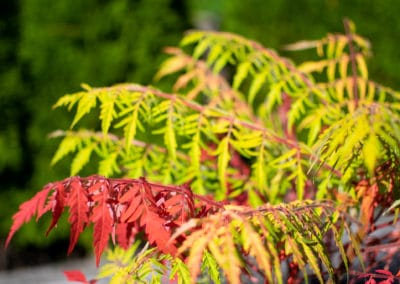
x=50 y=273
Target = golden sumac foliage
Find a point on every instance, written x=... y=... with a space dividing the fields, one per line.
x=288 y=167
x=258 y=239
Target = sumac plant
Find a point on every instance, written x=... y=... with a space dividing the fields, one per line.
x=251 y=168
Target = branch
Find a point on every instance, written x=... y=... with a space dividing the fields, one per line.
x=346 y=23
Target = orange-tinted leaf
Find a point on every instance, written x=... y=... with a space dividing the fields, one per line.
x=133 y=206
x=76 y=276
x=157 y=233
x=383 y=271
x=125 y=232
x=135 y=216
x=103 y=224
x=27 y=210
x=101 y=234
x=78 y=212
x=58 y=200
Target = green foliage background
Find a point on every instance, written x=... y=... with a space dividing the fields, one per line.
x=48 y=48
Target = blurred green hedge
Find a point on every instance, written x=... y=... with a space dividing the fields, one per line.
x=47 y=49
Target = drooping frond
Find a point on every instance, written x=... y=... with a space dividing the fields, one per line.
x=261 y=238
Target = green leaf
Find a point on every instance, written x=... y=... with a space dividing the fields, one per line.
x=259 y=168
x=331 y=47
x=273 y=97
x=81 y=159
x=362 y=66
x=311 y=257
x=67 y=145
x=201 y=48
x=68 y=100
x=338 y=234
x=259 y=80
x=371 y=151
x=315 y=129
x=223 y=160
x=109 y=165
x=317 y=66
x=283 y=158
x=181 y=270
x=107 y=111
x=171 y=65
x=86 y=103
x=130 y=123
x=86 y=87
x=241 y=74
x=393 y=206
x=210 y=267
x=301 y=180
x=221 y=62
x=215 y=52
x=341 y=43
x=192 y=37
x=169 y=136
x=331 y=70
x=343 y=66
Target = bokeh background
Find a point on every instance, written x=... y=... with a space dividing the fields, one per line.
x=48 y=48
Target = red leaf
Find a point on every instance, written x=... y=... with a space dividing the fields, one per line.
x=103 y=223
x=76 y=276
x=95 y=200
x=135 y=216
x=383 y=271
x=78 y=212
x=147 y=189
x=132 y=207
x=94 y=189
x=125 y=233
x=157 y=233
x=44 y=207
x=176 y=200
x=371 y=281
x=178 y=207
x=36 y=205
x=122 y=235
x=101 y=234
x=129 y=194
x=387 y=281
x=58 y=201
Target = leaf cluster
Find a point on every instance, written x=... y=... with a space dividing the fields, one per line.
x=270 y=140
x=183 y=225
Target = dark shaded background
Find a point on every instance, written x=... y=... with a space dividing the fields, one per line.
x=48 y=48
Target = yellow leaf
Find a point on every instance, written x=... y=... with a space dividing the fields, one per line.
x=331 y=70
x=81 y=159
x=343 y=65
x=86 y=103
x=171 y=65
x=107 y=110
x=316 y=66
x=223 y=160
x=67 y=145
x=241 y=74
x=371 y=150
x=256 y=85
